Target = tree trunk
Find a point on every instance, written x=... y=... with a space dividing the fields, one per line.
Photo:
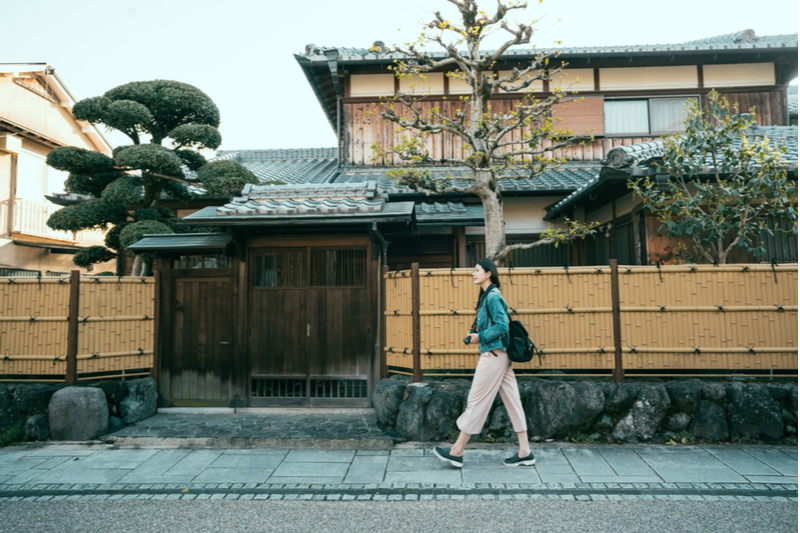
x=138 y=265
x=492 y=201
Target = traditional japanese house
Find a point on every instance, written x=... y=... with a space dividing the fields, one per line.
x=283 y=306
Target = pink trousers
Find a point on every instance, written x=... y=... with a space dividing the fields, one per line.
x=492 y=374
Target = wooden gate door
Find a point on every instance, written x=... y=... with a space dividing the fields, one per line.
x=200 y=373
x=311 y=326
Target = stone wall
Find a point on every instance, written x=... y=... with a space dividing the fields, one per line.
x=633 y=411
x=61 y=412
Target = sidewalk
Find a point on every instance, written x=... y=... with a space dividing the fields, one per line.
x=408 y=471
x=343 y=454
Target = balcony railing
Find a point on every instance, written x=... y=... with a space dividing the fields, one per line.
x=30 y=218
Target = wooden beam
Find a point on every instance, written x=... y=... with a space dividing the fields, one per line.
x=462 y=247
x=382 y=318
x=415 y=322
x=619 y=373
x=72 y=327
x=155 y=371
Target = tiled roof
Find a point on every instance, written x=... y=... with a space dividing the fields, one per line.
x=630 y=156
x=182 y=241
x=791 y=96
x=569 y=177
x=740 y=40
x=627 y=158
x=307 y=201
x=449 y=212
x=366 y=189
x=745 y=37
x=291 y=166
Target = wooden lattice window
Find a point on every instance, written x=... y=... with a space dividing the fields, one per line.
x=338 y=268
x=279 y=269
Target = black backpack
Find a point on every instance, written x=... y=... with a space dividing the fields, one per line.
x=519 y=348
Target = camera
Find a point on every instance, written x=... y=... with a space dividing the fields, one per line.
x=467 y=339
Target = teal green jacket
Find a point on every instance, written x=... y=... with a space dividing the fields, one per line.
x=492 y=321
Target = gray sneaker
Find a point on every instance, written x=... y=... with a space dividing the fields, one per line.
x=516 y=460
x=444 y=455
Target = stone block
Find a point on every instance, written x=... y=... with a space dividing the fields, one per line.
x=37 y=427
x=752 y=412
x=677 y=421
x=387 y=398
x=713 y=390
x=115 y=390
x=559 y=408
x=645 y=417
x=711 y=423
x=31 y=399
x=78 y=413
x=140 y=402
x=685 y=394
x=8 y=415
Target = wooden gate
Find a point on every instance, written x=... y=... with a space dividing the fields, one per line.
x=312 y=325
x=202 y=341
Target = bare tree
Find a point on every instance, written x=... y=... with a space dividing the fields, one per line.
x=514 y=144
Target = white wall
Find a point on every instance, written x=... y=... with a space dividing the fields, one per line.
x=523 y=215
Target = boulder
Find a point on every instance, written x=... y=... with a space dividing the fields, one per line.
x=8 y=415
x=685 y=394
x=645 y=417
x=604 y=424
x=677 y=421
x=777 y=391
x=500 y=423
x=115 y=390
x=114 y=424
x=788 y=417
x=713 y=390
x=442 y=412
x=421 y=416
x=140 y=402
x=558 y=408
x=31 y=399
x=621 y=397
x=387 y=398
x=711 y=423
x=793 y=396
x=37 y=427
x=753 y=413
x=78 y=413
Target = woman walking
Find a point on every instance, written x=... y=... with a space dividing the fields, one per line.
x=493 y=373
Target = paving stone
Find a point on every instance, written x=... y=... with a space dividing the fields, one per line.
x=588 y=461
x=774 y=459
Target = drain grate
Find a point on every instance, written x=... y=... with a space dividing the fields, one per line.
x=338 y=388
x=278 y=388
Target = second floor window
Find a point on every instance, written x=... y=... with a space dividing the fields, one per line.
x=645 y=116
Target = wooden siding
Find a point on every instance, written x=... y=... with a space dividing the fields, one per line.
x=667 y=314
x=364 y=126
x=115 y=327
x=581 y=117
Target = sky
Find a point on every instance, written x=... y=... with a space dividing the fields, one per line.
x=241 y=53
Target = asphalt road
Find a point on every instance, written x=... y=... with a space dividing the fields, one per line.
x=406 y=517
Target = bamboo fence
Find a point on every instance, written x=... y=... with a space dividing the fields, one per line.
x=112 y=334
x=682 y=319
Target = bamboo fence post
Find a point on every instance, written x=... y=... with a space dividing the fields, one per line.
x=382 y=318
x=415 y=322
x=619 y=373
x=71 y=376
x=155 y=371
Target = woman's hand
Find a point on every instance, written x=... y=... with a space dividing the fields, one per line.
x=474 y=339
